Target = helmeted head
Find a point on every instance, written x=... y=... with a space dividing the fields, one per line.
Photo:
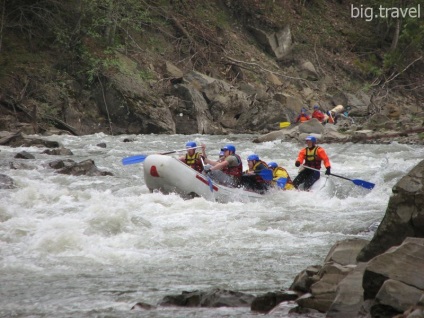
x=230 y=148
x=312 y=139
x=316 y=106
x=253 y=157
x=191 y=144
x=221 y=153
x=303 y=110
x=272 y=165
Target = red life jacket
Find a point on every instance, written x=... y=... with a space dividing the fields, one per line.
x=235 y=171
x=194 y=161
x=311 y=159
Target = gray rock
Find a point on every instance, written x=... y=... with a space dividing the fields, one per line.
x=404 y=215
x=349 y=295
x=403 y=263
x=6 y=182
x=398 y=295
x=345 y=252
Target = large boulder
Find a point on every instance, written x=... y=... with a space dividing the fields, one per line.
x=349 y=295
x=345 y=252
x=404 y=215
x=312 y=126
x=278 y=44
x=212 y=298
x=404 y=263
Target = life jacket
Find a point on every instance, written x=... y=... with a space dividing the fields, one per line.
x=311 y=159
x=274 y=173
x=303 y=117
x=318 y=115
x=194 y=161
x=236 y=171
x=259 y=179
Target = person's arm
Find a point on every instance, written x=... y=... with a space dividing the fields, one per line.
x=205 y=158
x=218 y=165
x=323 y=155
x=211 y=162
x=301 y=157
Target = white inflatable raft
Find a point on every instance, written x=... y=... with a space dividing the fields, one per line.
x=170 y=175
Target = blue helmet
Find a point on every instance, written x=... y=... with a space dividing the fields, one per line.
x=191 y=144
x=229 y=147
x=272 y=165
x=311 y=138
x=253 y=157
x=316 y=106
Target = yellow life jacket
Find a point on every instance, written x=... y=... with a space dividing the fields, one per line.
x=274 y=174
x=194 y=161
x=311 y=159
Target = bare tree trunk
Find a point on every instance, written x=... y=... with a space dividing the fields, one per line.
x=395 y=39
x=111 y=22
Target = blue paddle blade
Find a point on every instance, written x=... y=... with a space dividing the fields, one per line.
x=134 y=159
x=364 y=184
x=281 y=182
x=210 y=184
x=266 y=174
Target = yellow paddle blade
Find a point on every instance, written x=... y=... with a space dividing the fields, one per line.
x=284 y=124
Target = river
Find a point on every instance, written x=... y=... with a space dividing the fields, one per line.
x=94 y=246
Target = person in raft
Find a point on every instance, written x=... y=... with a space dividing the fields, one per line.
x=251 y=178
x=192 y=158
x=311 y=156
x=281 y=177
x=227 y=171
x=303 y=116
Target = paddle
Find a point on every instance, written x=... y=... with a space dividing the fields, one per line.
x=140 y=158
x=281 y=182
x=284 y=124
x=210 y=183
x=266 y=174
x=358 y=182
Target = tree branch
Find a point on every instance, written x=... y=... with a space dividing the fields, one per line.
x=393 y=76
x=237 y=62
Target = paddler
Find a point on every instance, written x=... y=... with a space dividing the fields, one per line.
x=227 y=171
x=311 y=156
x=192 y=158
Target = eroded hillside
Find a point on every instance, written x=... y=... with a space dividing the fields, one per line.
x=114 y=66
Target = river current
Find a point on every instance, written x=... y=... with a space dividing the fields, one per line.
x=94 y=246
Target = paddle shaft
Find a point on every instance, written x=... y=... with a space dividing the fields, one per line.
x=140 y=158
x=361 y=183
x=331 y=174
x=179 y=150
